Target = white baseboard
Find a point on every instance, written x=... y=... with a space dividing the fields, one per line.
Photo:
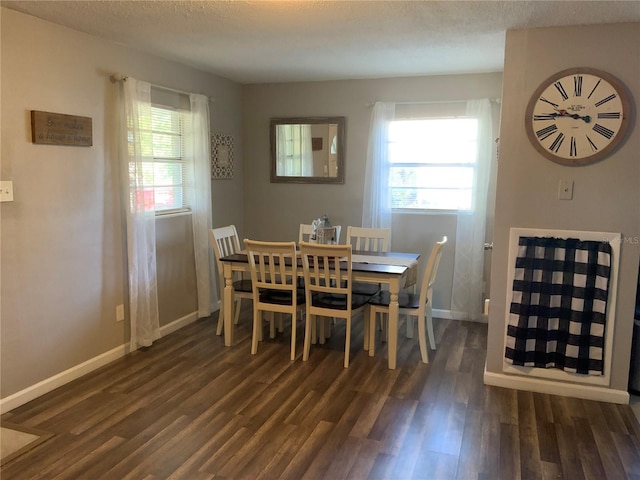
x=587 y=392
x=49 y=384
x=178 y=324
x=449 y=315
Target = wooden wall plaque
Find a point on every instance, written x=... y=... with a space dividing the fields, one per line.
x=60 y=129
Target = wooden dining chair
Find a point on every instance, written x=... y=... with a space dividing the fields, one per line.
x=225 y=242
x=305 y=233
x=328 y=290
x=306 y=230
x=273 y=267
x=368 y=240
x=419 y=306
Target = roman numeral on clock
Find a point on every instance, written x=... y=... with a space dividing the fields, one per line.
x=605 y=100
x=545 y=116
x=573 y=151
x=609 y=115
x=542 y=99
x=577 y=86
x=555 y=146
x=593 y=145
x=545 y=132
x=594 y=88
x=560 y=88
x=605 y=132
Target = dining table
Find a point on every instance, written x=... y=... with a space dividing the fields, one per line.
x=387 y=268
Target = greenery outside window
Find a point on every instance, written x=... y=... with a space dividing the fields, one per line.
x=165 y=171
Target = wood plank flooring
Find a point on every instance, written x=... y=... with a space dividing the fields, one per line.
x=189 y=408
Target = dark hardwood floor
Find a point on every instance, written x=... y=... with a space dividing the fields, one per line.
x=189 y=408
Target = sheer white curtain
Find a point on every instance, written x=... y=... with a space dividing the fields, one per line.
x=376 y=208
x=198 y=146
x=466 y=295
x=295 y=156
x=306 y=152
x=141 y=221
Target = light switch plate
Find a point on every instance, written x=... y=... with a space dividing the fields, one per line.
x=565 y=190
x=119 y=313
x=6 y=191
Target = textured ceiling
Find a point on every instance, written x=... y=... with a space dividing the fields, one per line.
x=283 y=41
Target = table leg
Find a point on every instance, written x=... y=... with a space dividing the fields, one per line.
x=229 y=303
x=392 y=328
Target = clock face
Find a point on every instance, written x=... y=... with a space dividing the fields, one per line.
x=577 y=116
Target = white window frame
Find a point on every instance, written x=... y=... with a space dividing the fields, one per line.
x=433 y=164
x=183 y=160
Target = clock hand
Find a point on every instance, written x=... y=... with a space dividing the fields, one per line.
x=586 y=118
x=564 y=113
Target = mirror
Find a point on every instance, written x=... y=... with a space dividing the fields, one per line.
x=307 y=150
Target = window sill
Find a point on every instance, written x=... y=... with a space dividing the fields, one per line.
x=173 y=213
x=403 y=211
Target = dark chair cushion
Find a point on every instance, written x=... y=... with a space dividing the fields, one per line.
x=280 y=297
x=364 y=288
x=243 y=286
x=339 y=302
x=405 y=299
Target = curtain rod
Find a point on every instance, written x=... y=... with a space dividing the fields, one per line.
x=434 y=102
x=118 y=77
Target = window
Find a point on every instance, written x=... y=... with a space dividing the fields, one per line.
x=432 y=163
x=164 y=174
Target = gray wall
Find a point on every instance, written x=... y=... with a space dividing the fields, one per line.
x=606 y=195
x=63 y=251
x=274 y=211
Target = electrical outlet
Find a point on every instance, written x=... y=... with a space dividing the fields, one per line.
x=120 y=313
x=6 y=191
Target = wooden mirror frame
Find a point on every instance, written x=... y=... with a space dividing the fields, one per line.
x=340 y=160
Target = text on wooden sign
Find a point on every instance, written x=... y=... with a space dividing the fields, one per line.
x=60 y=129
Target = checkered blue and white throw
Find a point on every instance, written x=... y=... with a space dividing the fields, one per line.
x=559 y=303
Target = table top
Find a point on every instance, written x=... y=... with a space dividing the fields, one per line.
x=369 y=266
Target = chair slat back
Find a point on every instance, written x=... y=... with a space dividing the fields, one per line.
x=322 y=268
x=369 y=239
x=273 y=264
x=225 y=241
x=304 y=235
x=431 y=270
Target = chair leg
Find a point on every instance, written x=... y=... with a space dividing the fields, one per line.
x=384 y=326
x=272 y=325
x=372 y=331
x=347 y=344
x=307 y=336
x=257 y=327
x=429 y=315
x=422 y=340
x=314 y=331
x=409 y=326
x=365 y=319
x=236 y=317
x=293 y=335
x=320 y=329
x=220 y=320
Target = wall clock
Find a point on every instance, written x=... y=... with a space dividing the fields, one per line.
x=578 y=116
